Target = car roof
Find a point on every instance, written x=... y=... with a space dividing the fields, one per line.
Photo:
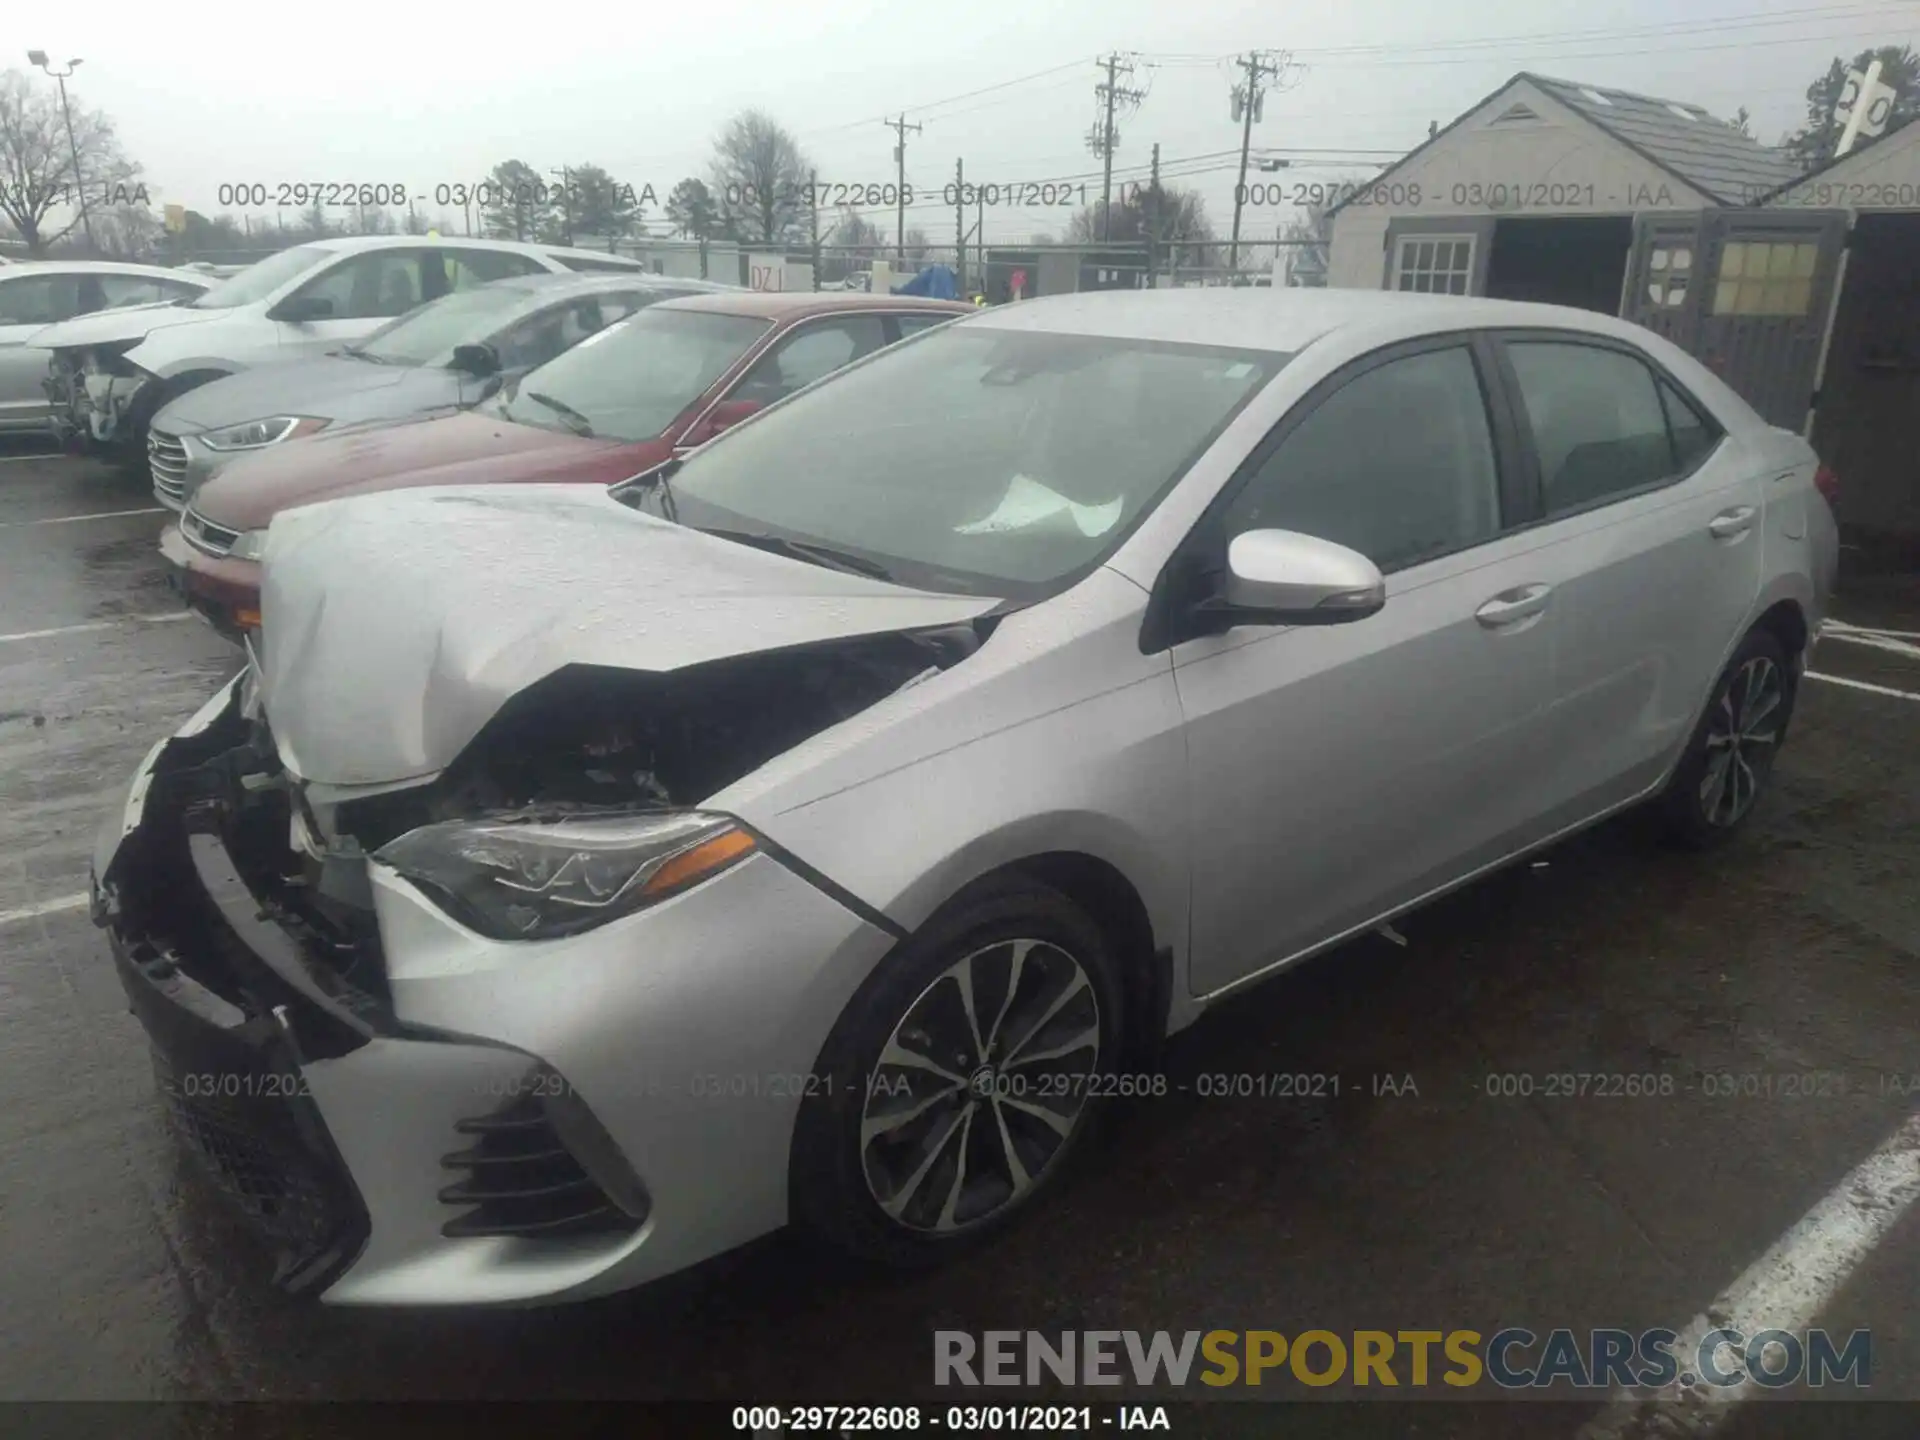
x=552 y=283
x=1282 y=320
x=109 y=267
x=351 y=243
x=791 y=304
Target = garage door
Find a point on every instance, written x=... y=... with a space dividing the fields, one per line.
x=1748 y=292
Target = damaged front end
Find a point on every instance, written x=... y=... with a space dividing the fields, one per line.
x=246 y=909
x=92 y=390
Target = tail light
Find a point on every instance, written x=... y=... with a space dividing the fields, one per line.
x=1828 y=484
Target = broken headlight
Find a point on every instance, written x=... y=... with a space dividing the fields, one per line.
x=539 y=880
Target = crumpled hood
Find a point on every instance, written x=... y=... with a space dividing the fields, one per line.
x=117 y=326
x=327 y=386
x=395 y=626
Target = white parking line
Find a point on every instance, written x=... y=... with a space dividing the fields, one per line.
x=10 y=459
x=98 y=625
x=45 y=907
x=1830 y=679
x=74 y=519
x=1787 y=1289
x=1840 y=627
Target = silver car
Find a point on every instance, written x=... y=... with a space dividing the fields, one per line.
x=449 y=354
x=39 y=293
x=829 y=826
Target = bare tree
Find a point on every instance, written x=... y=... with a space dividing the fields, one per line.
x=1166 y=214
x=916 y=245
x=36 y=161
x=128 y=232
x=1312 y=232
x=759 y=180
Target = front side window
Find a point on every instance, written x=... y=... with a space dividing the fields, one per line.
x=1597 y=422
x=814 y=351
x=976 y=460
x=376 y=285
x=39 y=299
x=427 y=335
x=260 y=280
x=1397 y=464
x=539 y=338
x=629 y=381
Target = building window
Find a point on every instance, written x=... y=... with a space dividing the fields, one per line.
x=1441 y=265
x=1766 y=278
x=1670 y=267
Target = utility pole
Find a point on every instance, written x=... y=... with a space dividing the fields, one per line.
x=1153 y=213
x=813 y=222
x=960 y=223
x=1105 y=138
x=900 y=128
x=1246 y=105
x=566 y=202
x=39 y=58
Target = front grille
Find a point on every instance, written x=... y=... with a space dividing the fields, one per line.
x=520 y=1177
x=167 y=458
x=242 y=1128
x=203 y=534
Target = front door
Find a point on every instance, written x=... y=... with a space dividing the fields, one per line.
x=1747 y=292
x=1338 y=772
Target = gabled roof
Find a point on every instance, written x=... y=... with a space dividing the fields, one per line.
x=1707 y=153
x=1852 y=156
x=1682 y=139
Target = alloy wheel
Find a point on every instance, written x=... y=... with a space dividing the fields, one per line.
x=1743 y=734
x=980 y=1086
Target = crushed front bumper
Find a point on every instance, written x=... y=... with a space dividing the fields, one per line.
x=467 y=1121
x=89 y=404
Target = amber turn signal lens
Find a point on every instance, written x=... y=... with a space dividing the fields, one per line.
x=703 y=859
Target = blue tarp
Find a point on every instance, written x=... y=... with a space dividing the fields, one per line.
x=936 y=282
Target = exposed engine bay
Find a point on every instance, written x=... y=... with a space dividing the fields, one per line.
x=588 y=737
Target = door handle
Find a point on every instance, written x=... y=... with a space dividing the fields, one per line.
x=1729 y=523
x=1510 y=607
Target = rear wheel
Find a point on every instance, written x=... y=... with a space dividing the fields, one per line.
x=1731 y=753
x=962 y=1078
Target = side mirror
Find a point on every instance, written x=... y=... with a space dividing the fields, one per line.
x=1280 y=577
x=723 y=416
x=299 y=309
x=479 y=361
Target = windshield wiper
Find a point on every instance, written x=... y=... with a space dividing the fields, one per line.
x=808 y=550
x=354 y=354
x=577 y=422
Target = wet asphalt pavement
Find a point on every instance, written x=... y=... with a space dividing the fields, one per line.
x=1441 y=1207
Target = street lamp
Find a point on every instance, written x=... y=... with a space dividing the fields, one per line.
x=39 y=58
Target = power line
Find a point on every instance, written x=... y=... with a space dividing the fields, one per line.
x=900 y=128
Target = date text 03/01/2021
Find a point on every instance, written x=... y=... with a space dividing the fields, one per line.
x=953 y=1419
x=355 y=194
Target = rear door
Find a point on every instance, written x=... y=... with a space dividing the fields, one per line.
x=1748 y=292
x=1661 y=511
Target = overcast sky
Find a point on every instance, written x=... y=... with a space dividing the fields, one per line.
x=423 y=95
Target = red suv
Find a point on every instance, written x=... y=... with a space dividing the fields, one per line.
x=671 y=377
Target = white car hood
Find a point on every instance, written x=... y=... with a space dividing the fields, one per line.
x=119 y=325
x=395 y=626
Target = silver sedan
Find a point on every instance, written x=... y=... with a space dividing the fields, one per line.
x=829 y=826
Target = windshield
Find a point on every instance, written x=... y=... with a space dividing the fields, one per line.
x=628 y=381
x=260 y=280
x=426 y=336
x=973 y=460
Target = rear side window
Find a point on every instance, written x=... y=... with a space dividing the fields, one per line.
x=1598 y=422
x=1397 y=464
x=468 y=268
x=1693 y=434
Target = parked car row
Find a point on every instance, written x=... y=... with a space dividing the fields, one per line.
x=112 y=371
x=828 y=821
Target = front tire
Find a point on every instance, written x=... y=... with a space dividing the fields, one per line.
x=962 y=1078
x=1731 y=753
